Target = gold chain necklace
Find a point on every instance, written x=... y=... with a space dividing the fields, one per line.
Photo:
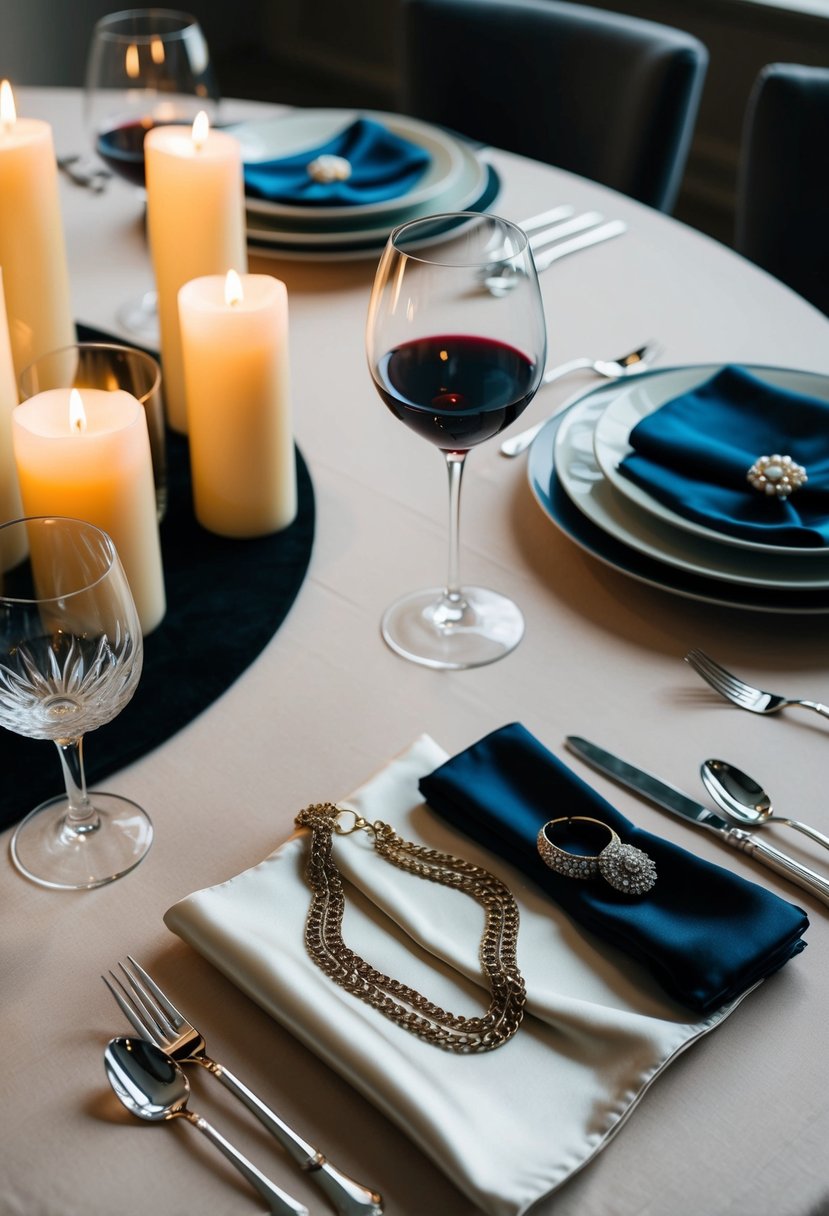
x=397 y=1001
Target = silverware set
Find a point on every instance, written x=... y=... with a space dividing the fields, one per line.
x=552 y=235
x=176 y=1043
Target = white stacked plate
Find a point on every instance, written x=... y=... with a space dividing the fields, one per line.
x=574 y=474
x=457 y=179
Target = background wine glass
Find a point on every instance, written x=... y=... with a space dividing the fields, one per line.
x=457 y=364
x=146 y=67
x=71 y=654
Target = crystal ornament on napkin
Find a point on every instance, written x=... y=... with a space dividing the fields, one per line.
x=706 y=933
x=506 y=1127
x=694 y=452
x=364 y=163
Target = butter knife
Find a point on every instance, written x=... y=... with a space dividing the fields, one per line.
x=669 y=798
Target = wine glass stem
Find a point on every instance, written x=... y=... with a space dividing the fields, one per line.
x=81 y=816
x=454 y=466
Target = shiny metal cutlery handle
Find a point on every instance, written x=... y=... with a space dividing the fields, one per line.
x=349 y=1197
x=781 y=863
x=279 y=1203
x=595 y=236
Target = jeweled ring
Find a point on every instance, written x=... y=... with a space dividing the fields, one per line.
x=328 y=168
x=623 y=866
x=777 y=476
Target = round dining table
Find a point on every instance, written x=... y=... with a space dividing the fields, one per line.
x=738 y=1124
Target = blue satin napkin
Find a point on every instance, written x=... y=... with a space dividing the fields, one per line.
x=693 y=453
x=383 y=166
x=705 y=933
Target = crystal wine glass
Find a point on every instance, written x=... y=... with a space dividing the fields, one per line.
x=146 y=67
x=457 y=360
x=71 y=653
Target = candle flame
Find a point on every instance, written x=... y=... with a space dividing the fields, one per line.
x=132 y=65
x=201 y=126
x=233 y=289
x=77 y=414
x=8 y=114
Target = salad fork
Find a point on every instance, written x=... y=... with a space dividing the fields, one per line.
x=746 y=696
x=154 y=1016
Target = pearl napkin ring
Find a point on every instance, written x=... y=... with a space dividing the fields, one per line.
x=623 y=866
x=777 y=476
x=328 y=168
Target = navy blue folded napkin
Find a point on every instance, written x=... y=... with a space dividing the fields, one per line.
x=383 y=166
x=693 y=453
x=706 y=934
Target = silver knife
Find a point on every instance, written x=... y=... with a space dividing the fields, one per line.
x=671 y=799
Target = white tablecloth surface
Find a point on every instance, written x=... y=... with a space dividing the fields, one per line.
x=738 y=1125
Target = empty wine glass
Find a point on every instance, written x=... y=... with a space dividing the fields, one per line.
x=146 y=67
x=71 y=653
x=456 y=363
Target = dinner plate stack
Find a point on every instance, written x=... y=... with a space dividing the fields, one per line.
x=574 y=474
x=456 y=179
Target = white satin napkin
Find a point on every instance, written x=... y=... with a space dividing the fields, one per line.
x=508 y=1126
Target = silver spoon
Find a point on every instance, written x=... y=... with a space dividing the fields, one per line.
x=152 y=1086
x=632 y=364
x=745 y=801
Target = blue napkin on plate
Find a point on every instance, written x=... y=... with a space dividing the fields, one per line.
x=705 y=933
x=693 y=453
x=383 y=166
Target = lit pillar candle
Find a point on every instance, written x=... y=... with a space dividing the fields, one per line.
x=32 y=246
x=88 y=456
x=234 y=336
x=196 y=226
x=10 y=504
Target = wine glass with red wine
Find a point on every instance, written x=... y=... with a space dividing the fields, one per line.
x=457 y=363
x=146 y=67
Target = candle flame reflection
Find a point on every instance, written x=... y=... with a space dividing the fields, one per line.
x=233 y=289
x=201 y=127
x=157 y=51
x=8 y=114
x=131 y=63
x=77 y=414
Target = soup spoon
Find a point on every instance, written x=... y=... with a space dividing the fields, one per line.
x=745 y=801
x=152 y=1086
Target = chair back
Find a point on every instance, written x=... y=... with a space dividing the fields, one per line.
x=783 y=186
x=610 y=97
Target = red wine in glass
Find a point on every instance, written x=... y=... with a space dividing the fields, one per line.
x=121 y=147
x=456 y=390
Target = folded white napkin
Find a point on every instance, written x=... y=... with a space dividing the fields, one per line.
x=508 y=1126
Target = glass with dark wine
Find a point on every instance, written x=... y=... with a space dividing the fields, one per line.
x=146 y=67
x=457 y=363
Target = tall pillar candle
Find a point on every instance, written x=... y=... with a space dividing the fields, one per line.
x=196 y=226
x=88 y=456
x=234 y=336
x=32 y=245
x=12 y=548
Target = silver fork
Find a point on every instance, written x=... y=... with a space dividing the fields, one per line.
x=746 y=696
x=153 y=1016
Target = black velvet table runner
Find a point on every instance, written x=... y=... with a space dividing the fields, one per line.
x=225 y=600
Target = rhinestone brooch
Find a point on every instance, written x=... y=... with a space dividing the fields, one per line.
x=778 y=476
x=328 y=168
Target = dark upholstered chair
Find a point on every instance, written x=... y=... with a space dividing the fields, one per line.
x=783 y=189
x=607 y=96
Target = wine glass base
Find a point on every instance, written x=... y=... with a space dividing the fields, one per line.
x=140 y=318
x=471 y=629
x=53 y=855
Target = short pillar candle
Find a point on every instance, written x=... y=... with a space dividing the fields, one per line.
x=234 y=333
x=32 y=244
x=88 y=456
x=196 y=226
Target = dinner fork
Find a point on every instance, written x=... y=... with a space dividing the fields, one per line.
x=746 y=696
x=154 y=1016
